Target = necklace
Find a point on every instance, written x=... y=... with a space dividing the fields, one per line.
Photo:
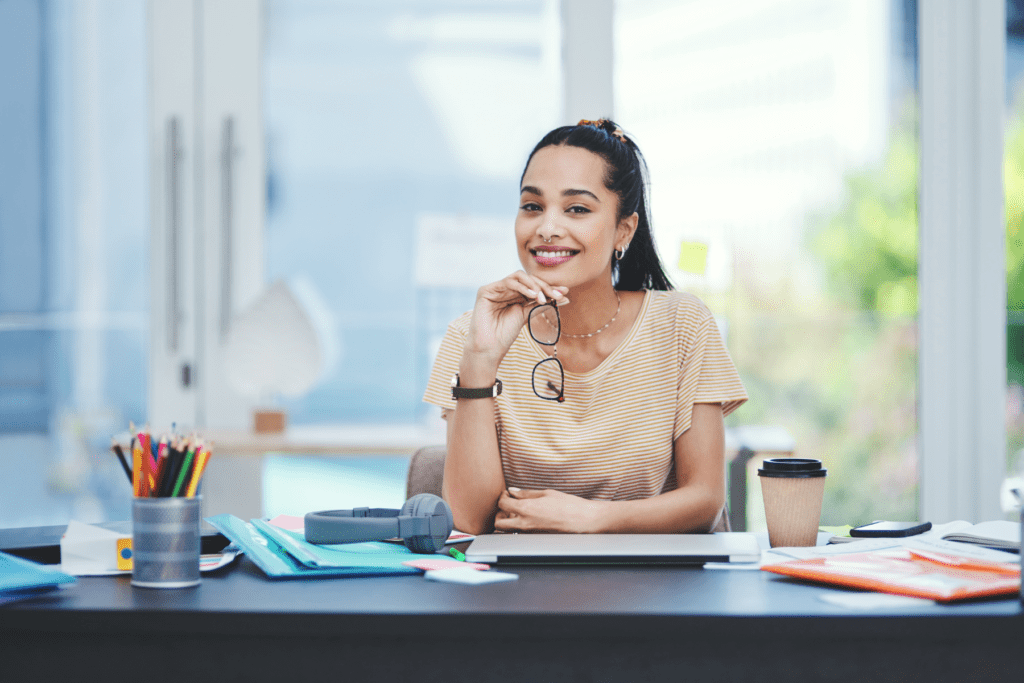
x=618 y=307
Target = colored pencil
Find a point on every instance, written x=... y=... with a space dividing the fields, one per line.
x=186 y=468
x=116 y=447
x=197 y=472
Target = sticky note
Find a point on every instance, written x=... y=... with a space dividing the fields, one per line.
x=469 y=576
x=429 y=564
x=693 y=257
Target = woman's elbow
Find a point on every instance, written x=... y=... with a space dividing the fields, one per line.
x=467 y=520
x=472 y=525
x=709 y=513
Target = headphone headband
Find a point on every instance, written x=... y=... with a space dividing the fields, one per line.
x=424 y=523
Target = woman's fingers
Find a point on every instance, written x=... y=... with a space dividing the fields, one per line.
x=514 y=493
x=523 y=288
x=507 y=503
x=541 y=291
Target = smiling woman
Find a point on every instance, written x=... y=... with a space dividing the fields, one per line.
x=633 y=441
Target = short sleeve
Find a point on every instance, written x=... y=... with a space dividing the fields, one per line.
x=708 y=373
x=439 y=386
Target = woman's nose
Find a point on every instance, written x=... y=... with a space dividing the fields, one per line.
x=548 y=228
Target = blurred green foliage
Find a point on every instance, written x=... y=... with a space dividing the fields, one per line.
x=840 y=371
x=868 y=249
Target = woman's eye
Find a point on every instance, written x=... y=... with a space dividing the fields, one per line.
x=530 y=206
x=578 y=209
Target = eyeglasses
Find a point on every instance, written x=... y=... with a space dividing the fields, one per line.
x=548 y=375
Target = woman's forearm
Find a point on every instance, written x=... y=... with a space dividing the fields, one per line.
x=700 y=497
x=473 y=478
x=691 y=509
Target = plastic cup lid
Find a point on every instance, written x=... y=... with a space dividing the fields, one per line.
x=791 y=468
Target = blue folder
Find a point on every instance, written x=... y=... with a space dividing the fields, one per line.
x=285 y=554
x=21 y=578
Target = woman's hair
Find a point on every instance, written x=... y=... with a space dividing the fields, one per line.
x=640 y=268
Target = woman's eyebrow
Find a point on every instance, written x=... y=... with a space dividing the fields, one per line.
x=565 y=193
x=577 y=193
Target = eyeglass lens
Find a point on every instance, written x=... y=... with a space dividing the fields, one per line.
x=544 y=324
x=548 y=379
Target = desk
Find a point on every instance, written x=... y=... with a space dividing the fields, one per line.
x=553 y=624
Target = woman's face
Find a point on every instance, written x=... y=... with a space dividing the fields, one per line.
x=567 y=224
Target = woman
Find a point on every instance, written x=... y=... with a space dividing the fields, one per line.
x=581 y=394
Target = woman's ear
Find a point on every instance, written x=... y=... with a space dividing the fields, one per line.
x=626 y=229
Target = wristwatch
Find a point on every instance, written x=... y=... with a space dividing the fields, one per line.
x=465 y=392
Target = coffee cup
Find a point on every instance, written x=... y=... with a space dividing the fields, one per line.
x=792 y=489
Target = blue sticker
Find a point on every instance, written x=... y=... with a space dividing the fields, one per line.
x=126 y=553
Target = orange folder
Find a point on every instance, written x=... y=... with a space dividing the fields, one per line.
x=912 y=572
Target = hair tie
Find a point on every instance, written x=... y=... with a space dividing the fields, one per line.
x=601 y=125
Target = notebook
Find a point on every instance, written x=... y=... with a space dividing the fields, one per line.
x=695 y=549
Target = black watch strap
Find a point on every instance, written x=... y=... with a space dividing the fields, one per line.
x=465 y=392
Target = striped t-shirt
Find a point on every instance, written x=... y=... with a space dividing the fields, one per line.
x=612 y=438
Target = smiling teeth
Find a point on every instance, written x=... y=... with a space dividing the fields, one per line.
x=554 y=254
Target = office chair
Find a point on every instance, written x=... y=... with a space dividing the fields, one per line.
x=426 y=471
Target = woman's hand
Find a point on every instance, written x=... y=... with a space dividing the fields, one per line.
x=547 y=510
x=501 y=310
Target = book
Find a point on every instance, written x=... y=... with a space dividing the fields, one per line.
x=999 y=534
x=913 y=572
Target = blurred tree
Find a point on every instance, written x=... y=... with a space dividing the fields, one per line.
x=869 y=246
x=1013 y=179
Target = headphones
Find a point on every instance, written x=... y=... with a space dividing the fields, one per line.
x=424 y=523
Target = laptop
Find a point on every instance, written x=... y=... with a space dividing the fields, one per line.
x=691 y=549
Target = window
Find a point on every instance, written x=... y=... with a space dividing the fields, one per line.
x=781 y=136
x=73 y=238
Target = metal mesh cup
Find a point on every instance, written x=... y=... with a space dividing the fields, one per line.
x=165 y=542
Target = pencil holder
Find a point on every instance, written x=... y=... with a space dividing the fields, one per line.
x=165 y=542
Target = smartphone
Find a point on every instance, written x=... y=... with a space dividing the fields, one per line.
x=890 y=529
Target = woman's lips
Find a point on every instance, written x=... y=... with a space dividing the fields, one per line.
x=552 y=257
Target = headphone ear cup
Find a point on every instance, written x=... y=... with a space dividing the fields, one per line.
x=428 y=505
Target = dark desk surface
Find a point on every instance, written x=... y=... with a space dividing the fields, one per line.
x=557 y=623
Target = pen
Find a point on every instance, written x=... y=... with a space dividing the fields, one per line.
x=457 y=554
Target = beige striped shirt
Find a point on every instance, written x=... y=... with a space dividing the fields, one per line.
x=612 y=438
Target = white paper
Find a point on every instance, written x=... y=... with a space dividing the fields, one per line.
x=866 y=601
x=975 y=552
x=87 y=550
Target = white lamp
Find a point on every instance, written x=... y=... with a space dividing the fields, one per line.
x=275 y=349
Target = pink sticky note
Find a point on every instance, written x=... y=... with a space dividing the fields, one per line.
x=429 y=563
x=290 y=522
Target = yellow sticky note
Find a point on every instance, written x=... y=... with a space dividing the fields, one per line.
x=693 y=257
